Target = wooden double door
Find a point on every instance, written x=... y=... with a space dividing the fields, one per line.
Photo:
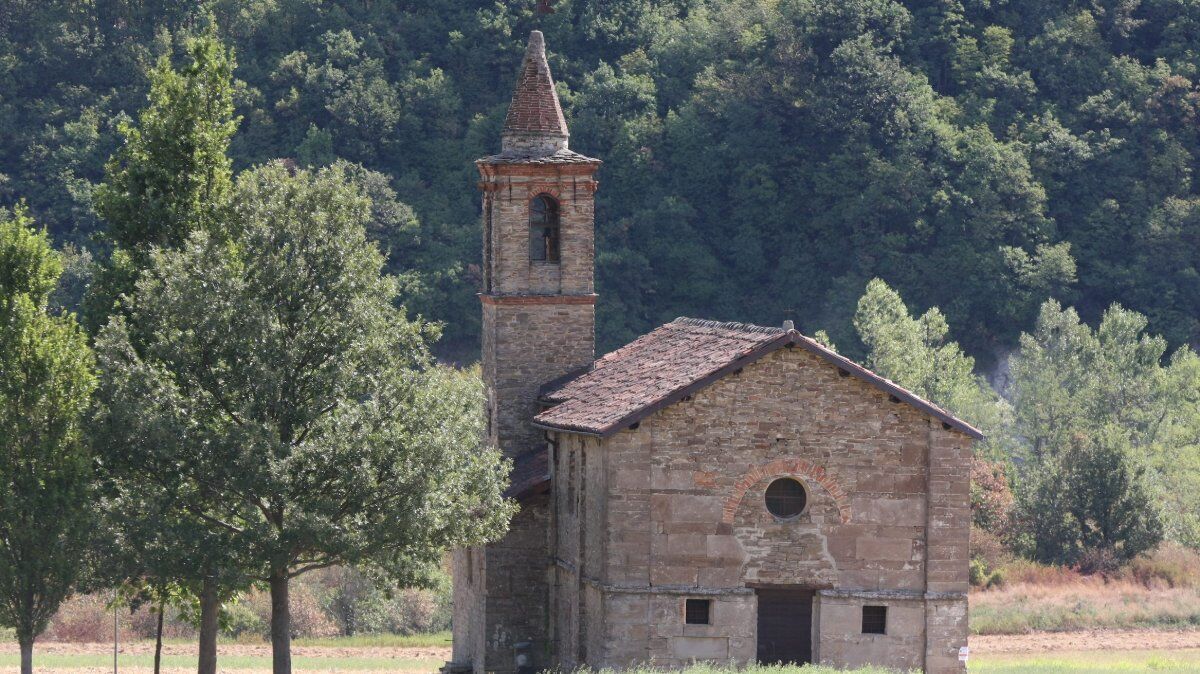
x=784 y=625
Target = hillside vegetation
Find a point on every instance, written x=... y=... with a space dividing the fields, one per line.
x=764 y=158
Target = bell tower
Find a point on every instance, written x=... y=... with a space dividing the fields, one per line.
x=538 y=256
x=538 y=304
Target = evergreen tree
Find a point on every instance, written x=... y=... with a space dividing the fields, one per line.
x=47 y=495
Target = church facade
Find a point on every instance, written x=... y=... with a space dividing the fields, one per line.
x=710 y=491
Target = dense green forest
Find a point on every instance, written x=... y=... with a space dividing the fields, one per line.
x=764 y=158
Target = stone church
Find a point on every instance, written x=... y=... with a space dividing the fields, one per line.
x=710 y=491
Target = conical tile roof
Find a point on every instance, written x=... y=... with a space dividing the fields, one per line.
x=535 y=119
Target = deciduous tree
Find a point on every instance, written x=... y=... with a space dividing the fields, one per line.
x=303 y=396
x=915 y=353
x=172 y=175
x=47 y=374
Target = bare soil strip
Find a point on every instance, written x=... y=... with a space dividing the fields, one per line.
x=1087 y=640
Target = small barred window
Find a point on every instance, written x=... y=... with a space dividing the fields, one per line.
x=698 y=611
x=874 y=620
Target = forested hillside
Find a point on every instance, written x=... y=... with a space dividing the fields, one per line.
x=764 y=158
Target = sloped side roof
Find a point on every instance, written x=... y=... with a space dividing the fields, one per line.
x=535 y=108
x=679 y=358
x=530 y=474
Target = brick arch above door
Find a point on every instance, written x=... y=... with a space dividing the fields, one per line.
x=810 y=472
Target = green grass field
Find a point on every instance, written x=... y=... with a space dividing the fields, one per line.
x=436 y=639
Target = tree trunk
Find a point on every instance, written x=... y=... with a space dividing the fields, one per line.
x=281 y=625
x=27 y=657
x=158 y=629
x=210 y=611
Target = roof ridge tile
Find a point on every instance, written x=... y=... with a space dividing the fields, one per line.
x=728 y=325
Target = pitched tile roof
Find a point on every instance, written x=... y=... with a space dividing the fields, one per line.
x=535 y=109
x=662 y=367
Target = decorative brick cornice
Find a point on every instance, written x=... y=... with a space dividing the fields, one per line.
x=798 y=468
x=539 y=188
x=496 y=172
x=535 y=300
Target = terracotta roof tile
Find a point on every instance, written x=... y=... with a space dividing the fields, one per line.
x=649 y=369
x=663 y=366
x=535 y=108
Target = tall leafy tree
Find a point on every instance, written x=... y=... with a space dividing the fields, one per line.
x=1091 y=506
x=915 y=353
x=1112 y=386
x=173 y=173
x=302 y=395
x=171 y=176
x=47 y=374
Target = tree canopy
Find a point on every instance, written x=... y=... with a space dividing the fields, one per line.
x=764 y=159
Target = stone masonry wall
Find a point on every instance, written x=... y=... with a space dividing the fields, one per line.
x=686 y=517
x=949 y=521
x=467 y=571
x=578 y=500
x=525 y=346
x=841 y=640
x=517 y=590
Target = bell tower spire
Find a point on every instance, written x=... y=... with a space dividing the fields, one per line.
x=535 y=119
x=538 y=250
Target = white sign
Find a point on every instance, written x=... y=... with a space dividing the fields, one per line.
x=964 y=653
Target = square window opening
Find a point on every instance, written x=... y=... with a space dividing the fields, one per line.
x=698 y=611
x=874 y=620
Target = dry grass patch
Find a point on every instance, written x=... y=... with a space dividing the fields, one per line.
x=1085 y=603
x=1161 y=590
